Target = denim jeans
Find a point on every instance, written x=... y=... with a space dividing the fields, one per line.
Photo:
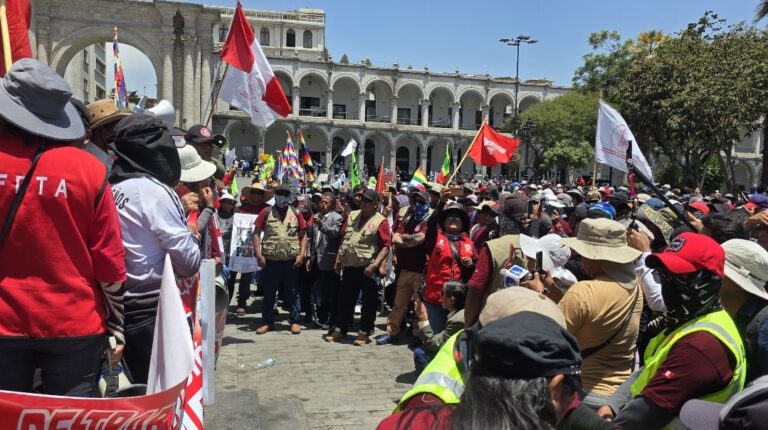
x=437 y=317
x=275 y=274
x=421 y=358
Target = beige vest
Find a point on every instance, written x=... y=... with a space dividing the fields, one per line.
x=360 y=245
x=281 y=238
x=499 y=249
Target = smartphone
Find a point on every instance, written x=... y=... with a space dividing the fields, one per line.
x=539 y=262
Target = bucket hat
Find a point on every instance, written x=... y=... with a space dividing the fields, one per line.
x=194 y=168
x=746 y=264
x=602 y=239
x=104 y=112
x=35 y=99
x=658 y=220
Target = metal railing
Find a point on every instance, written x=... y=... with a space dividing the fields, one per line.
x=408 y=121
x=377 y=118
x=469 y=127
x=345 y=115
x=440 y=124
x=317 y=112
x=278 y=16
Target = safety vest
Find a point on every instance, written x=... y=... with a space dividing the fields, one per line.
x=720 y=325
x=443 y=267
x=280 y=242
x=361 y=243
x=441 y=378
x=499 y=250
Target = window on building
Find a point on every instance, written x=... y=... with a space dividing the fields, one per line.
x=307 y=39
x=339 y=111
x=404 y=116
x=370 y=110
x=290 y=39
x=264 y=36
x=309 y=106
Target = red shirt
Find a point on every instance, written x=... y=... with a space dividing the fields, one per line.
x=482 y=275
x=385 y=237
x=413 y=259
x=63 y=242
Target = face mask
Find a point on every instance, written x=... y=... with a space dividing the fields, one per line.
x=689 y=296
x=282 y=202
x=420 y=210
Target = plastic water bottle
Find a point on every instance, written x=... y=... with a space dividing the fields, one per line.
x=269 y=362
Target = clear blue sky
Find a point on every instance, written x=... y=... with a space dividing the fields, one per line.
x=448 y=34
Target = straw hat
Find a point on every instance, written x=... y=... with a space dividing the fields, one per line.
x=602 y=239
x=257 y=186
x=104 y=112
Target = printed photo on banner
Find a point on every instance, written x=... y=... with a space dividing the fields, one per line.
x=242 y=257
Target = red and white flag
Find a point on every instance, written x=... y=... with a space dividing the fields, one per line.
x=490 y=148
x=249 y=84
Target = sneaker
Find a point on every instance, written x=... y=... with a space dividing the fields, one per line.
x=263 y=329
x=358 y=309
x=362 y=339
x=384 y=339
x=333 y=337
x=295 y=329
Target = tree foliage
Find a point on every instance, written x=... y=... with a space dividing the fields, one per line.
x=344 y=59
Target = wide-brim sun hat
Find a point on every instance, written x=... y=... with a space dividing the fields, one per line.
x=36 y=99
x=455 y=209
x=602 y=239
x=104 y=112
x=257 y=186
x=193 y=167
x=746 y=264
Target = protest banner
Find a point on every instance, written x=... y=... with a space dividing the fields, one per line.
x=242 y=257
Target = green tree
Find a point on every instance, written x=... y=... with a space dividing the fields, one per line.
x=760 y=13
x=605 y=67
x=564 y=126
x=344 y=59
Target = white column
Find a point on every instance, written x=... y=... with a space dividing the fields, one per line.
x=296 y=101
x=329 y=106
x=196 y=61
x=41 y=37
x=205 y=78
x=423 y=159
x=486 y=112
x=328 y=155
x=393 y=158
x=167 y=79
x=361 y=107
x=425 y=113
x=188 y=83
x=394 y=110
x=455 y=122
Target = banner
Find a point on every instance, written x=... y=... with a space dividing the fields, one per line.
x=612 y=139
x=242 y=257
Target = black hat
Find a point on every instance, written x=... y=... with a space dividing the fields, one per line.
x=283 y=187
x=199 y=134
x=618 y=198
x=517 y=204
x=370 y=195
x=143 y=148
x=526 y=345
x=455 y=209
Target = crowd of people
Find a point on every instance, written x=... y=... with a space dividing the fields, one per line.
x=528 y=304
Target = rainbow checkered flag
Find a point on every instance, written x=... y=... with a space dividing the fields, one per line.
x=121 y=100
x=291 y=160
x=306 y=159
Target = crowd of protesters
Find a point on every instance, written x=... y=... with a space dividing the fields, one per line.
x=529 y=305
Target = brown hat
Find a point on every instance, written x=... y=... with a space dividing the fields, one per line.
x=104 y=112
x=512 y=300
x=256 y=186
x=602 y=239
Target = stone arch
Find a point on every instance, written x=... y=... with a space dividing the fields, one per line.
x=244 y=137
x=347 y=133
x=346 y=97
x=312 y=128
x=439 y=88
x=275 y=137
x=373 y=147
x=284 y=74
x=378 y=100
x=501 y=104
x=411 y=84
x=375 y=80
x=313 y=74
x=346 y=77
x=469 y=90
x=436 y=152
x=442 y=101
x=77 y=40
x=526 y=101
x=407 y=160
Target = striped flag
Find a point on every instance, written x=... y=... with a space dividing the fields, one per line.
x=280 y=167
x=419 y=179
x=445 y=170
x=121 y=100
x=306 y=159
x=290 y=159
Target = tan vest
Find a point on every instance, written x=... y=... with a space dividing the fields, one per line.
x=360 y=245
x=499 y=249
x=281 y=238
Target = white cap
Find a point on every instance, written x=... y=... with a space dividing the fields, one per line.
x=227 y=196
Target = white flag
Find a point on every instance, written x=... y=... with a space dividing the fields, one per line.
x=351 y=147
x=613 y=136
x=230 y=156
x=172 y=351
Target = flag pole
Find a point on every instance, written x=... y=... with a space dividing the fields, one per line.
x=5 y=35
x=214 y=93
x=464 y=157
x=594 y=173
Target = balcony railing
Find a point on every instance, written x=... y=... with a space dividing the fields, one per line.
x=440 y=124
x=344 y=115
x=408 y=121
x=312 y=112
x=377 y=118
x=277 y=16
x=469 y=127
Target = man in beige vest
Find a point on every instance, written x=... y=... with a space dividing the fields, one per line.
x=496 y=254
x=280 y=254
x=362 y=257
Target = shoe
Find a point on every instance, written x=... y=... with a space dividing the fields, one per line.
x=358 y=309
x=295 y=329
x=333 y=337
x=240 y=312
x=263 y=329
x=384 y=339
x=362 y=339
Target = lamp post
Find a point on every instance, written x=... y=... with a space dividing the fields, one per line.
x=516 y=43
x=528 y=129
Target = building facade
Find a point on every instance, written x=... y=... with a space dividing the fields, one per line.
x=86 y=73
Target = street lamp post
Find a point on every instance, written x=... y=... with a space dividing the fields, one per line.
x=528 y=129
x=516 y=42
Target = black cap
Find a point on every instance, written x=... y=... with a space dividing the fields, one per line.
x=526 y=345
x=199 y=134
x=420 y=193
x=370 y=195
x=619 y=198
x=517 y=204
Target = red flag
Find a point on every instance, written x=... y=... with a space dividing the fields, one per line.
x=490 y=148
x=19 y=14
x=380 y=187
x=250 y=84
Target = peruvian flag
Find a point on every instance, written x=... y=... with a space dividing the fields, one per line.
x=490 y=148
x=19 y=14
x=249 y=83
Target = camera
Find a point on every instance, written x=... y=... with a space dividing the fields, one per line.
x=514 y=276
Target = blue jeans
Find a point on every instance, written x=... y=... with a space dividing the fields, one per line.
x=421 y=358
x=274 y=274
x=437 y=317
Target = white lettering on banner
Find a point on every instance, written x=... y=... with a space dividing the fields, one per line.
x=41 y=180
x=18 y=182
x=61 y=189
x=71 y=419
x=3 y=176
x=492 y=146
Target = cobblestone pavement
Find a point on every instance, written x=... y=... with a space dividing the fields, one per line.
x=337 y=385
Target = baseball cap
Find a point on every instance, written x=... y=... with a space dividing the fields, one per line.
x=746 y=264
x=491 y=206
x=688 y=253
x=516 y=205
x=199 y=134
x=509 y=301
x=602 y=210
x=700 y=206
x=526 y=345
x=420 y=193
x=227 y=196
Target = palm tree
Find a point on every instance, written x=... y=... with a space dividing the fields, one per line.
x=647 y=42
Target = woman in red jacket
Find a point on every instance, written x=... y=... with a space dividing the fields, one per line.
x=452 y=258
